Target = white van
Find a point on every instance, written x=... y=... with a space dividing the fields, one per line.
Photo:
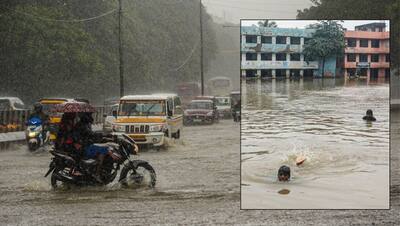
x=148 y=119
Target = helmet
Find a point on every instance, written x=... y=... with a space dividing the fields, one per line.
x=37 y=107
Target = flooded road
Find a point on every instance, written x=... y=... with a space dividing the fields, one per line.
x=347 y=159
x=200 y=170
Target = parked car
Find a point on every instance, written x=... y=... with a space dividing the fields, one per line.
x=200 y=111
x=11 y=104
x=224 y=107
x=110 y=118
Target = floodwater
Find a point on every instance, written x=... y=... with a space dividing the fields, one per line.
x=347 y=159
x=200 y=170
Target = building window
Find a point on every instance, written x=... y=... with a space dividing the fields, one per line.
x=280 y=39
x=251 y=38
x=251 y=56
x=266 y=56
x=295 y=57
x=280 y=56
x=351 y=57
x=295 y=40
x=375 y=43
x=266 y=39
x=375 y=58
x=363 y=58
x=380 y=29
x=363 y=42
x=351 y=42
x=387 y=57
x=251 y=73
x=266 y=73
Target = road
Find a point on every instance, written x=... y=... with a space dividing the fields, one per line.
x=198 y=183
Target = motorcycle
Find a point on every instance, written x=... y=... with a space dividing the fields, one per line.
x=34 y=135
x=70 y=170
x=236 y=115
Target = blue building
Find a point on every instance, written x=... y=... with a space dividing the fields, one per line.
x=268 y=52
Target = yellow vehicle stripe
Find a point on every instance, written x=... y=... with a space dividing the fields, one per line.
x=52 y=101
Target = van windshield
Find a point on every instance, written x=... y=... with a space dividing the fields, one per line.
x=200 y=105
x=142 y=108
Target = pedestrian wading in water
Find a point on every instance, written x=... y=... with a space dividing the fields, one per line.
x=369 y=116
x=284 y=173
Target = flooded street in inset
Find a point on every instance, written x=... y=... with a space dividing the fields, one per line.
x=347 y=158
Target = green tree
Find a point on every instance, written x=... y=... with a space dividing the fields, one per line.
x=327 y=40
x=267 y=23
x=360 y=9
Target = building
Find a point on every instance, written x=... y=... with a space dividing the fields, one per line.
x=367 y=51
x=277 y=53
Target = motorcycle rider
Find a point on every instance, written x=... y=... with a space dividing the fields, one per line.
x=85 y=141
x=38 y=113
x=65 y=135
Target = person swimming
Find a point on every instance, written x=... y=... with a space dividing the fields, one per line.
x=284 y=173
x=369 y=116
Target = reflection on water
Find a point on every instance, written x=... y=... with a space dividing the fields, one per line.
x=347 y=159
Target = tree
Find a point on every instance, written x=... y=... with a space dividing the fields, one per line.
x=328 y=40
x=267 y=23
x=360 y=9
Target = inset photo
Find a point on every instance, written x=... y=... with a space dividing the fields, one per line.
x=315 y=114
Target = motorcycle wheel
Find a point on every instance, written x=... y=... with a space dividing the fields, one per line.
x=32 y=147
x=137 y=177
x=55 y=182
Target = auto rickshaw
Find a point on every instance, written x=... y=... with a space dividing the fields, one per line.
x=51 y=106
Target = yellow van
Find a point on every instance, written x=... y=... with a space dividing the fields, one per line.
x=148 y=119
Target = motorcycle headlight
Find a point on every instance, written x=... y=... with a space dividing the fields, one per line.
x=119 y=128
x=156 y=128
x=32 y=134
x=210 y=113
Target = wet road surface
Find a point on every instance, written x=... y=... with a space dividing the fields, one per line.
x=26 y=199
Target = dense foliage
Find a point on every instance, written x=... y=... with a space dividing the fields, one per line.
x=363 y=10
x=49 y=49
x=327 y=40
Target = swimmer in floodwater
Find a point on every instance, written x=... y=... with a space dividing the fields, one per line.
x=369 y=116
x=284 y=173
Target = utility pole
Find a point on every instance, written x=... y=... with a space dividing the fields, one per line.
x=121 y=57
x=201 y=51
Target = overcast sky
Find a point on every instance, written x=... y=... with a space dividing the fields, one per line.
x=349 y=24
x=234 y=10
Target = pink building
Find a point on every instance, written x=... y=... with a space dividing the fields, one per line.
x=367 y=51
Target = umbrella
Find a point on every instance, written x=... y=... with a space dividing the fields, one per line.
x=72 y=107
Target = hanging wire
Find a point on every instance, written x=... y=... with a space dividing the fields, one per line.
x=64 y=21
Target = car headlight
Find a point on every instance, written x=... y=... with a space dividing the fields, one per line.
x=156 y=128
x=119 y=128
x=210 y=113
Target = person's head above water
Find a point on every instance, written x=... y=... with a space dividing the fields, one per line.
x=369 y=116
x=284 y=173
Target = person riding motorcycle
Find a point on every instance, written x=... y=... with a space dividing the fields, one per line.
x=87 y=141
x=65 y=135
x=38 y=113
